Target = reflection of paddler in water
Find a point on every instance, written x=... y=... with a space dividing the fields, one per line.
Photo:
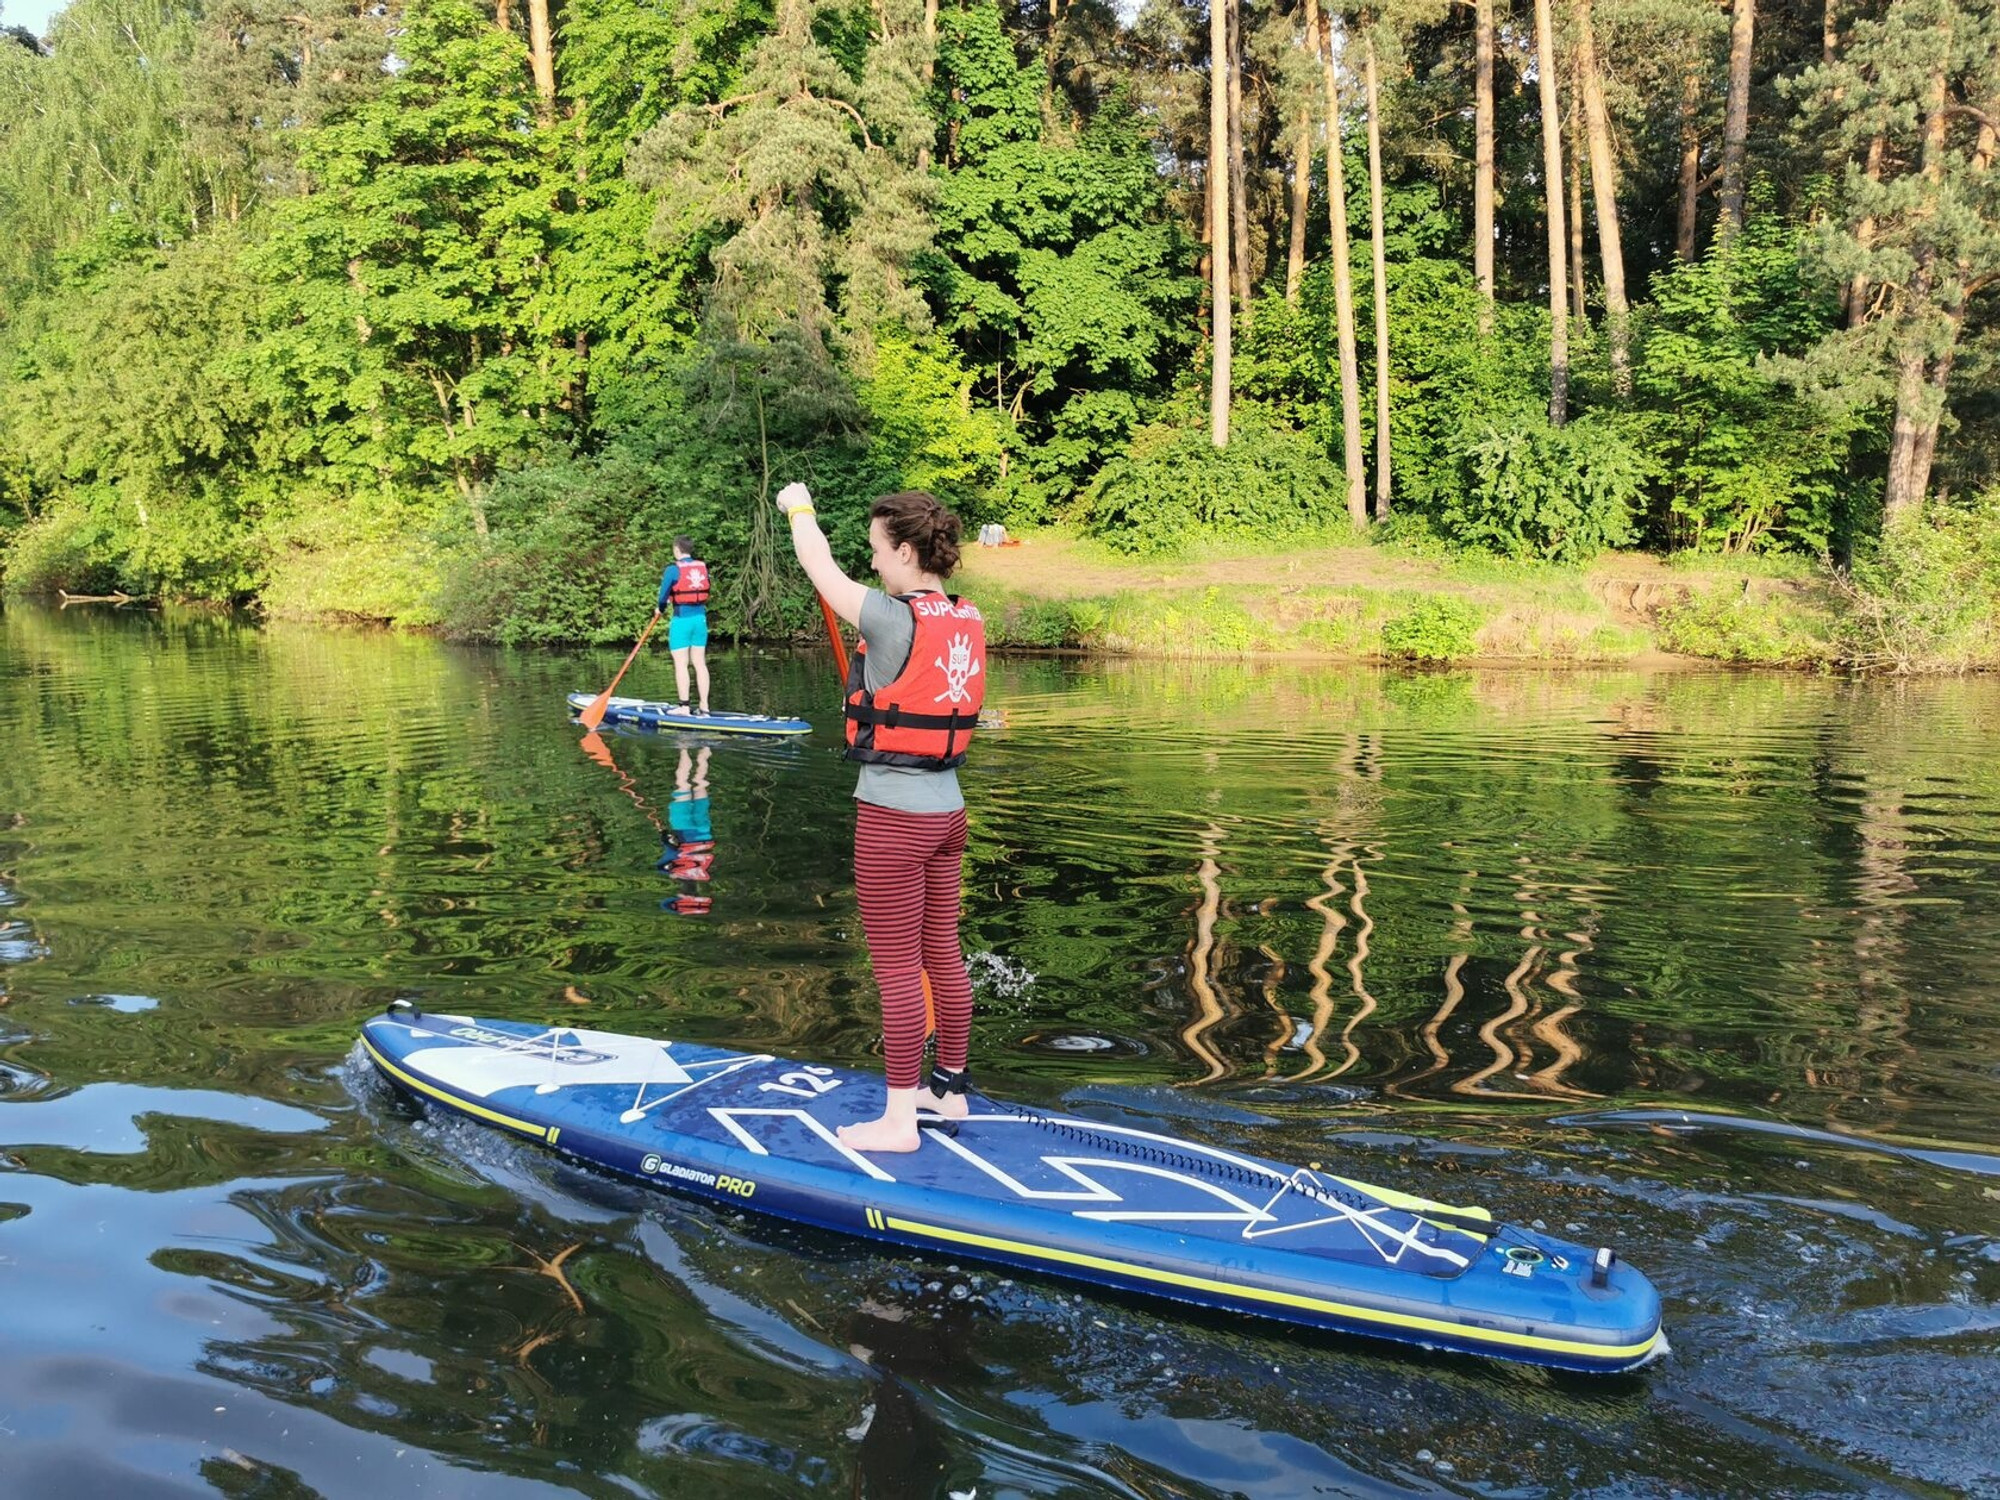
x=686 y=904
x=913 y=695
x=688 y=851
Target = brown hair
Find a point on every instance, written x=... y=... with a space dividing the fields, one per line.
x=916 y=517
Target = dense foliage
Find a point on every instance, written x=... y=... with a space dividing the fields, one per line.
x=405 y=313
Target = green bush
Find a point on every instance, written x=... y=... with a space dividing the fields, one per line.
x=1745 y=458
x=1174 y=486
x=576 y=547
x=1560 y=494
x=1926 y=596
x=1728 y=624
x=66 y=547
x=1036 y=622
x=1438 y=628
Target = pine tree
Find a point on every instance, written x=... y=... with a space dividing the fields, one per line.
x=803 y=184
x=1924 y=79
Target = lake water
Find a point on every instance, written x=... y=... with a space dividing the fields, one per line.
x=1481 y=936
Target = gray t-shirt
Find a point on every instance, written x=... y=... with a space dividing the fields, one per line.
x=890 y=630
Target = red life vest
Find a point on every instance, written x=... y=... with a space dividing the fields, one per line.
x=691 y=587
x=924 y=718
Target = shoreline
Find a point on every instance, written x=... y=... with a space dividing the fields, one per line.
x=1344 y=599
x=1352 y=601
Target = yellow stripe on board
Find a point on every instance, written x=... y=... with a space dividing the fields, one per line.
x=1285 y=1299
x=1413 y=1204
x=544 y=1133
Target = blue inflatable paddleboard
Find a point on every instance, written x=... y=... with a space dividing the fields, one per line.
x=1102 y=1203
x=644 y=714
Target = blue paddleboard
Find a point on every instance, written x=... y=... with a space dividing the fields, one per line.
x=651 y=715
x=1102 y=1203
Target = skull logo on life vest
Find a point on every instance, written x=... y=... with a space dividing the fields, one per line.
x=959 y=668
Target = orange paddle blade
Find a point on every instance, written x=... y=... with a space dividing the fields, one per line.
x=593 y=716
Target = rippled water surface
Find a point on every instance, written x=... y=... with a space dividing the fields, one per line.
x=1481 y=936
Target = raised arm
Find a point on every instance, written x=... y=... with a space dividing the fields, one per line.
x=816 y=557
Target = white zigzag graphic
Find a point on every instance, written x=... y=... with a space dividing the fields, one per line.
x=1389 y=1240
x=727 y=1119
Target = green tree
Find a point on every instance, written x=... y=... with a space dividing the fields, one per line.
x=411 y=340
x=1067 y=281
x=1748 y=458
x=126 y=403
x=1924 y=81
x=94 y=132
x=802 y=193
x=260 y=71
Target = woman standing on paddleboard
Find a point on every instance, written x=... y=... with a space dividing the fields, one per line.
x=913 y=695
x=685 y=586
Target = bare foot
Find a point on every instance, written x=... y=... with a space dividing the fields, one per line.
x=884 y=1135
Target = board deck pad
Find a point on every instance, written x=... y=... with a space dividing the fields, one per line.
x=649 y=714
x=1106 y=1203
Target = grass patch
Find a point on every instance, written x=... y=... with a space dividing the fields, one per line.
x=1924 y=601
x=1729 y=623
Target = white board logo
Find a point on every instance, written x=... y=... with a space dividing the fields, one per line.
x=559 y=1053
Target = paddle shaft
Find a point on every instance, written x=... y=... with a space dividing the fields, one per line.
x=593 y=716
x=833 y=635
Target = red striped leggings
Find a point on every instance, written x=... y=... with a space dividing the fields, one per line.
x=907 y=873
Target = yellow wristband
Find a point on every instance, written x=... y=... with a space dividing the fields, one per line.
x=800 y=510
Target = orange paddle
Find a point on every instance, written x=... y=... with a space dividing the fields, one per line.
x=593 y=716
x=833 y=635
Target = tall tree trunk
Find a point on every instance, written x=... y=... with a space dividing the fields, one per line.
x=1320 y=38
x=1920 y=390
x=930 y=75
x=1604 y=196
x=1925 y=448
x=1690 y=197
x=1864 y=232
x=541 y=54
x=1482 y=159
x=1239 y=197
x=1829 y=33
x=1381 y=268
x=1736 y=116
x=1909 y=465
x=1302 y=169
x=503 y=14
x=1552 y=176
x=1218 y=220
x=1579 y=295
